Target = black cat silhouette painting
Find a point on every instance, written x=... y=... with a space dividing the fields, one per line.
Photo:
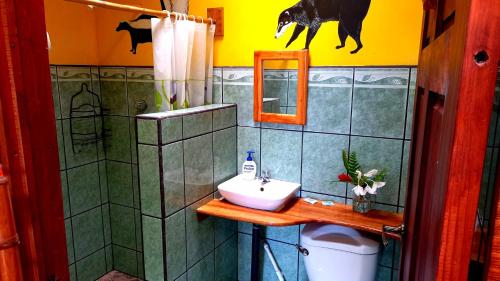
x=313 y=13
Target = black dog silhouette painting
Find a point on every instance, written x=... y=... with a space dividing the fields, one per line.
x=139 y=29
x=312 y=13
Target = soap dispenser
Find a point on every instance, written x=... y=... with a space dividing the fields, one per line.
x=249 y=168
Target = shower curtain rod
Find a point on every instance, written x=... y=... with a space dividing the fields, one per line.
x=151 y=12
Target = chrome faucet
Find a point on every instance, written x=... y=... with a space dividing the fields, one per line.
x=265 y=176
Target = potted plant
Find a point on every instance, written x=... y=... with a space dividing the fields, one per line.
x=364 y=184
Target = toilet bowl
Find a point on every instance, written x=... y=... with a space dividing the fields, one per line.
x=338 y=253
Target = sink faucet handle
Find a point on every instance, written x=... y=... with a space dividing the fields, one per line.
x=266 y=174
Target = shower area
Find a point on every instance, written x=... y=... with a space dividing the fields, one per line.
x=96 y=111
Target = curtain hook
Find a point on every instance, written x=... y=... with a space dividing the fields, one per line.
x=194 y=17
x=168 y=13
x=201 y=18
x=211 y=21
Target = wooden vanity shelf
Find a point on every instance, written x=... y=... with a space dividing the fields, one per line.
x=300 y=212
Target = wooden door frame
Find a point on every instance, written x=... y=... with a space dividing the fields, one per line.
x=470 y=89
x=31 y=138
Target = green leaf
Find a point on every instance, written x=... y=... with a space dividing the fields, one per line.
x=158 y=100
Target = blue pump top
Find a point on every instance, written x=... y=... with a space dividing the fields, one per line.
x=250 y=152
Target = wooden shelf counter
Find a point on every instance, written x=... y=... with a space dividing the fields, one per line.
x=299 y=212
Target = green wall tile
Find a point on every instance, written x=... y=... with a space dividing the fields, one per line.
x=322 y=163
x=140 y=94
x=248 y=139
x=70 y=80
x=242 y=96
x=224 y=155
x=103 y=181
x=138 y=229
x=118 y=143
x=289 y=234
x=198 y=166
x=123 y=226
x=374 y=153
x=175 y=238
x=224 y=118
x=153 y=248
x=171 y=130
x=69 y=241
x=286 y=256
x=411 y=102
x=88 y=233
x=244 y=256
x=147 y=131
x=173 y=177
x=224 y=229
x=64 y=186
x=125 y=260
x=82 y=154
x=196 y=124
x=379 y=102
x=133 y=139
x=149 y=180
x=140 y=265
x=106 y=218
x=120 y=183
x=383 y=274
x=113 y=90
x=281 y=154
x=404 y=174
x=200 y=233
x=72 y=272
x=60 y=145
x=329 y=101
x=135 y=186
x=91 y=267
x=84 y=188
x=226 y=260
x=109 y=258
x=203 y=270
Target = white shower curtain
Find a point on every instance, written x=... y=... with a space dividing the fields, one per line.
x=209 y=65
x=183 y=55
x=164 y=63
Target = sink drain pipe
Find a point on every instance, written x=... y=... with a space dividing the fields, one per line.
x=277 y=269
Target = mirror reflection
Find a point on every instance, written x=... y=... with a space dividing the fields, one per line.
x=280 y=86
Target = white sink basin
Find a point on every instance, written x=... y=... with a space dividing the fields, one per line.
x=271 y=196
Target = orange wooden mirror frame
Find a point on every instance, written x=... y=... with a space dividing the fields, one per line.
x=302 y=57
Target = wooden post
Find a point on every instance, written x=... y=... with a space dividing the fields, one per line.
x=10 y=264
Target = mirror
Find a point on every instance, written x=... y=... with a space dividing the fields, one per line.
x=280 y=86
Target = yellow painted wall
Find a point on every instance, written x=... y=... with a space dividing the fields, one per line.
x=391 y=34
x=72 y=30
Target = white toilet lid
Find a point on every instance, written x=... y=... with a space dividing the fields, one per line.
x=339 y=238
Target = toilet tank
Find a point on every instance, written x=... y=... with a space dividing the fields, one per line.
x=338 y=253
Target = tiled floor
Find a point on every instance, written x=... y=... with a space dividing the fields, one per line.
x=118 y=276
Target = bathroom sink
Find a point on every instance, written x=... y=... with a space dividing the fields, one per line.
x=256 y=194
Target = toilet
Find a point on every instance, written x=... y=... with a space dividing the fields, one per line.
x=338 y=253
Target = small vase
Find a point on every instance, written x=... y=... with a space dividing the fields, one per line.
x=361 y=204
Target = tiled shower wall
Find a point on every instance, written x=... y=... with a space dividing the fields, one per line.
x=183 y=156
x=100 y=180
x=83 y=175
x=367 y=110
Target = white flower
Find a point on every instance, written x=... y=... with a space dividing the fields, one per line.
x=371 y=173
x=359 y=190
x=376 y=185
